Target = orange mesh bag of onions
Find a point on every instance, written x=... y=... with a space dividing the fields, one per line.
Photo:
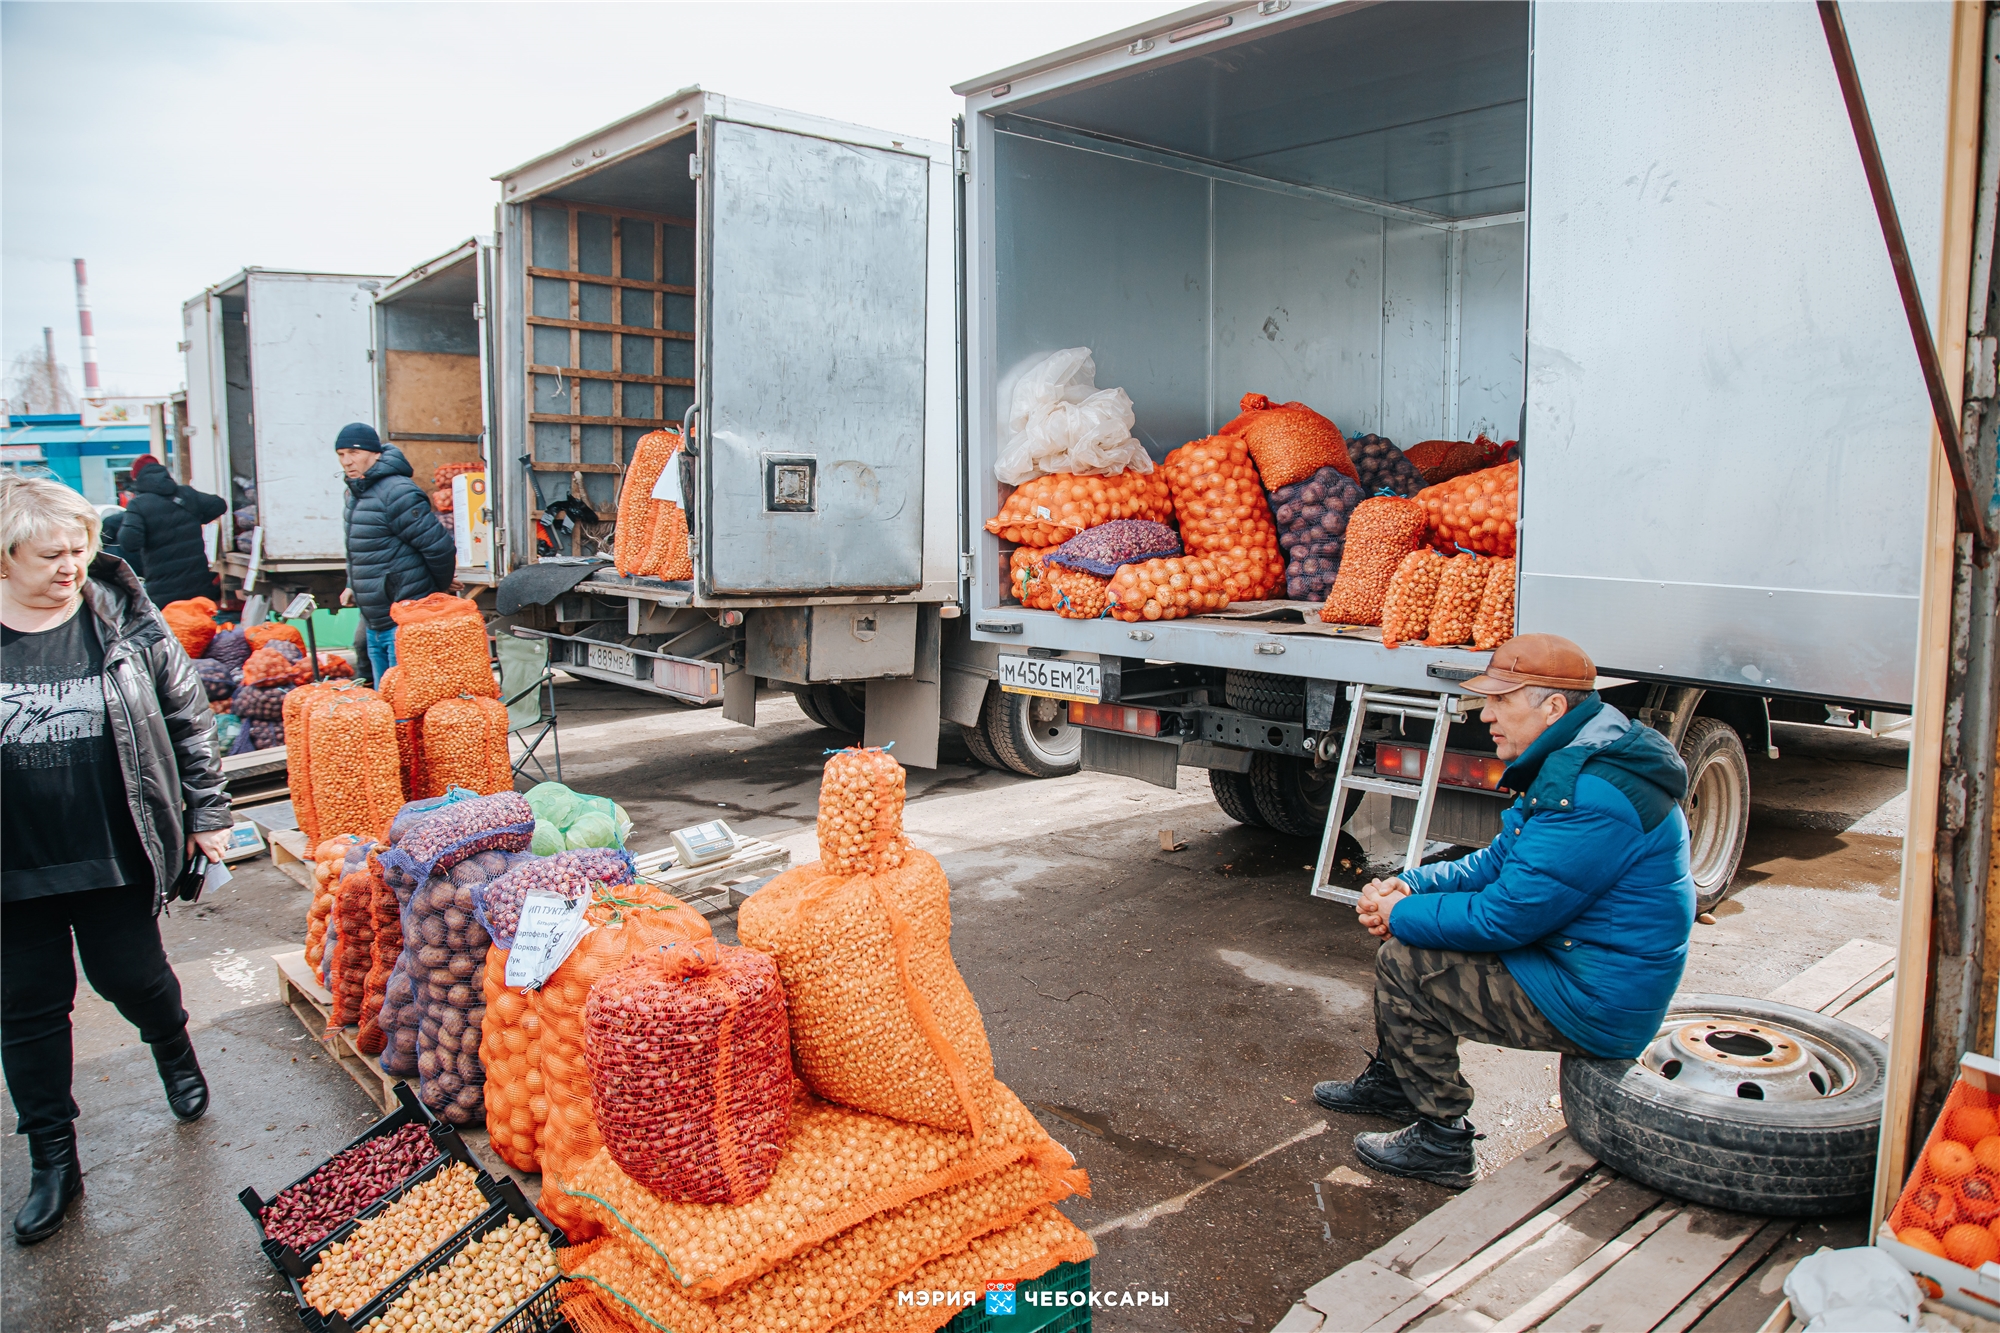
x=409 y=732
x=383 y=952
x=332 y=666
x=1224 y=515
x=670 y=557
x=1459 y=594
x=193 y=623
x=1168 y=588
x=1290 y=441
x=858 y=1280
x=268 y=666
x=441 y=648
x=510 y=1049
x=1049 y=510
x=840 y=1167
x=327 y=857
x=298 y=757
x=1494 y=624
x=1380 y=533
x=1441 y=460
x=632 y=539
x=356 y=784
x=1027 y=573
x=1950 y=1206
x=259 y=635
x=861 y=812
x=1413 y=590
x=352 y=950
x=1476 y=512
x=463 y=743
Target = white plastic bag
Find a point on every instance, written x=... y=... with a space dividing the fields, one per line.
x=1060 y=421
x=1840 y=1286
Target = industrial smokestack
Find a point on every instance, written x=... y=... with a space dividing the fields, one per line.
x=90 y=385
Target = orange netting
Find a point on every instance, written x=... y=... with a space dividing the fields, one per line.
x=443 y=473
x=1459 y=595
x=259 y=635
x=442 y=651
x=1224 y=515
x=298 y=757
x=1049 y=510
x=1379 y=534
x=192 y=622
x=1494 y=624
x=355 y=783
x=332 y=666
x=1413 y=590
x=353 y=943
x=1290 y=441
x=861 y=794
x=267 y=666
x=651 y=537
x=1026 y=572
x=327 y=858
x=409 y=732
x=671 y=558
x=463 y=743
x=383 y=951
x=1441 y=460
x=510 y=1053
x=1169 y=588
x=1476 y=512
x=1951 y=1205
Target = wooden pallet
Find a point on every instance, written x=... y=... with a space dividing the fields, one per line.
x=1558 y=1242
x=313 y=1003
x=290 y=854
x=712 y=889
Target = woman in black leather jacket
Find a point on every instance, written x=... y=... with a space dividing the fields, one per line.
x=108 y=783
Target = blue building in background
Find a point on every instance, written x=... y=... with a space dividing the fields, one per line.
x=96 y=460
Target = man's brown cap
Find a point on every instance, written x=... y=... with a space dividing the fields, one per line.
x=1548 y=660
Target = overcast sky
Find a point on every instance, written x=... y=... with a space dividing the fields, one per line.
x=171 y=144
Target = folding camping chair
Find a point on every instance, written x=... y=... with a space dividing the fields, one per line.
x=528 y=687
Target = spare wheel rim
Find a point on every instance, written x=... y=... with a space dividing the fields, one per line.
x=1737 y=1058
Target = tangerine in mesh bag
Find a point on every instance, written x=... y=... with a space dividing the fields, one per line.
x=881 y=1019
x=1494 y=624
x=1413 y=590
x=1027 y=573
x=1169 y=588
x=463 y=743
x=689 y=1071
x=1476 y=512
x=1952 y=1198
x=861 y=812
x=356 y=784
x=272 y=630
x=1049 y=510
x=441 y=648
x=1380 y=533
x=632 y=539
x=1290 y=441
x=192 y=622
x=1223 y=513
x=1459 y=594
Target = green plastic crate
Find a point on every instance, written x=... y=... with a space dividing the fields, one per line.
x=1033 y=1318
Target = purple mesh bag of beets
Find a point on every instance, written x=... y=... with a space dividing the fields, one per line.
x=1122 y=541
x=1381 y=466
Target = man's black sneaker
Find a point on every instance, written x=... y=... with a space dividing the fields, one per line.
x=1374 y=1091
x=1427 y=1150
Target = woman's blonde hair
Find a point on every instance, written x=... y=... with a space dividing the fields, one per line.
x=33 y=508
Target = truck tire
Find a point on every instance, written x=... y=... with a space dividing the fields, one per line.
x=803 y=694
x=1292 y=796
x=1232 y=793
x=975 y=735
x=1717 y=806
x=1032 y=735
x=838 y=710
x=1261 y=694
x=1787 y=1158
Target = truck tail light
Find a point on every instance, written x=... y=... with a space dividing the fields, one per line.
x=1116 y=717
x=1478 y=771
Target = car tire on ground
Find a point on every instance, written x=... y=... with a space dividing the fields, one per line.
x=975 y=735
x=1261 y=694
x=1232 y=792
x=1033 y=736
x=1785 y=1158
x=839 y=710
x=1717 y=806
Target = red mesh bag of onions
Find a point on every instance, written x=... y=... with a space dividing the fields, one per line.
x=690 y=1070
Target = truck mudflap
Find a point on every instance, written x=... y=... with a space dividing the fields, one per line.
x=692 y=680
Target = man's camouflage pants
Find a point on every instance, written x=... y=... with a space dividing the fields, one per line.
x=1426 y=999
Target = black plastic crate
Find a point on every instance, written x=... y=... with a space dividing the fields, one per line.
x=319 y=1323
x=290 y=1262
x=1031 y=1318
x=537 y=1314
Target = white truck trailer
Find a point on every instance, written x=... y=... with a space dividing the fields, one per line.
x=1638 y=237
x=277 y=362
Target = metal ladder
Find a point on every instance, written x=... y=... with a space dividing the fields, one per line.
x=1441 y=710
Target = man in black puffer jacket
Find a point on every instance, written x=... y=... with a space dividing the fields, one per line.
x=396 y=547
x=161 y=535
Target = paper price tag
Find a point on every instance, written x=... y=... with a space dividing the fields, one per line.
x=668 y=487
x=550 y=927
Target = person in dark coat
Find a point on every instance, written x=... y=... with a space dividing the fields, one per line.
x=113 y=519
x=396 y=547
x=161 y=535
x=109 y=781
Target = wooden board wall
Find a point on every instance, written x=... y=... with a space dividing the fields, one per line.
x=433 y=393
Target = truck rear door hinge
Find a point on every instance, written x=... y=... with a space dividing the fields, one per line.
x=965 y=564
x=961 y=160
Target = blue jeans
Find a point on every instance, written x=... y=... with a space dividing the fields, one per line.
x=381 y=651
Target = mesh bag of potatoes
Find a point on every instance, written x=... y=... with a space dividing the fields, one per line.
x=689 y=1070
x=1413 y=590
x=881 y=1019
x=1379 y=534
x=384 y=949
x=1050 y=510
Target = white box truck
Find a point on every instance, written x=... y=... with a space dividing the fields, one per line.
x=1637 y=237
x=277 y=362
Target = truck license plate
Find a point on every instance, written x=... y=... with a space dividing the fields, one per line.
x=1052 y=677
x=619 y=660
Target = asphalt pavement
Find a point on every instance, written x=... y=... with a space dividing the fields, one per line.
x=1165 y=1012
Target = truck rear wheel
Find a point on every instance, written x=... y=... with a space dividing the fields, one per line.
x=1034 y=736
x=1232 y=793
x=803 y=693
x=838 y=710
x=1717 y=807
x=1261 y=694
x=975 y=735
x=1294 y=795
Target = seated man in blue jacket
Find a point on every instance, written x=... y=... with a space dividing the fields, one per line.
x=1567 y=934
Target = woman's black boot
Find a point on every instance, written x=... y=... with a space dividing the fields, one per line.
x=187 y=1090
x=54 y=1180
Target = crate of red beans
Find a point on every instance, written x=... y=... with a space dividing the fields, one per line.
x=295 y=1223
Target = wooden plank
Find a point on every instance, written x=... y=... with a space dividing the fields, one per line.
x=1464 y=1226
x=289 y=855
x=667 y=218
x=293 y=970
x=1726 y=1278
x=590 y=326
x=625 y=377
x=1300 y=1318
x=1650 y=1282
x=1559 y=1292
x=1831 y=977
x=1364 y=1294
x=558 y=418
x=1874 y=1012
x=1562 y=1248
x=312 y=1004
x=606 y=280
x=754 y=859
